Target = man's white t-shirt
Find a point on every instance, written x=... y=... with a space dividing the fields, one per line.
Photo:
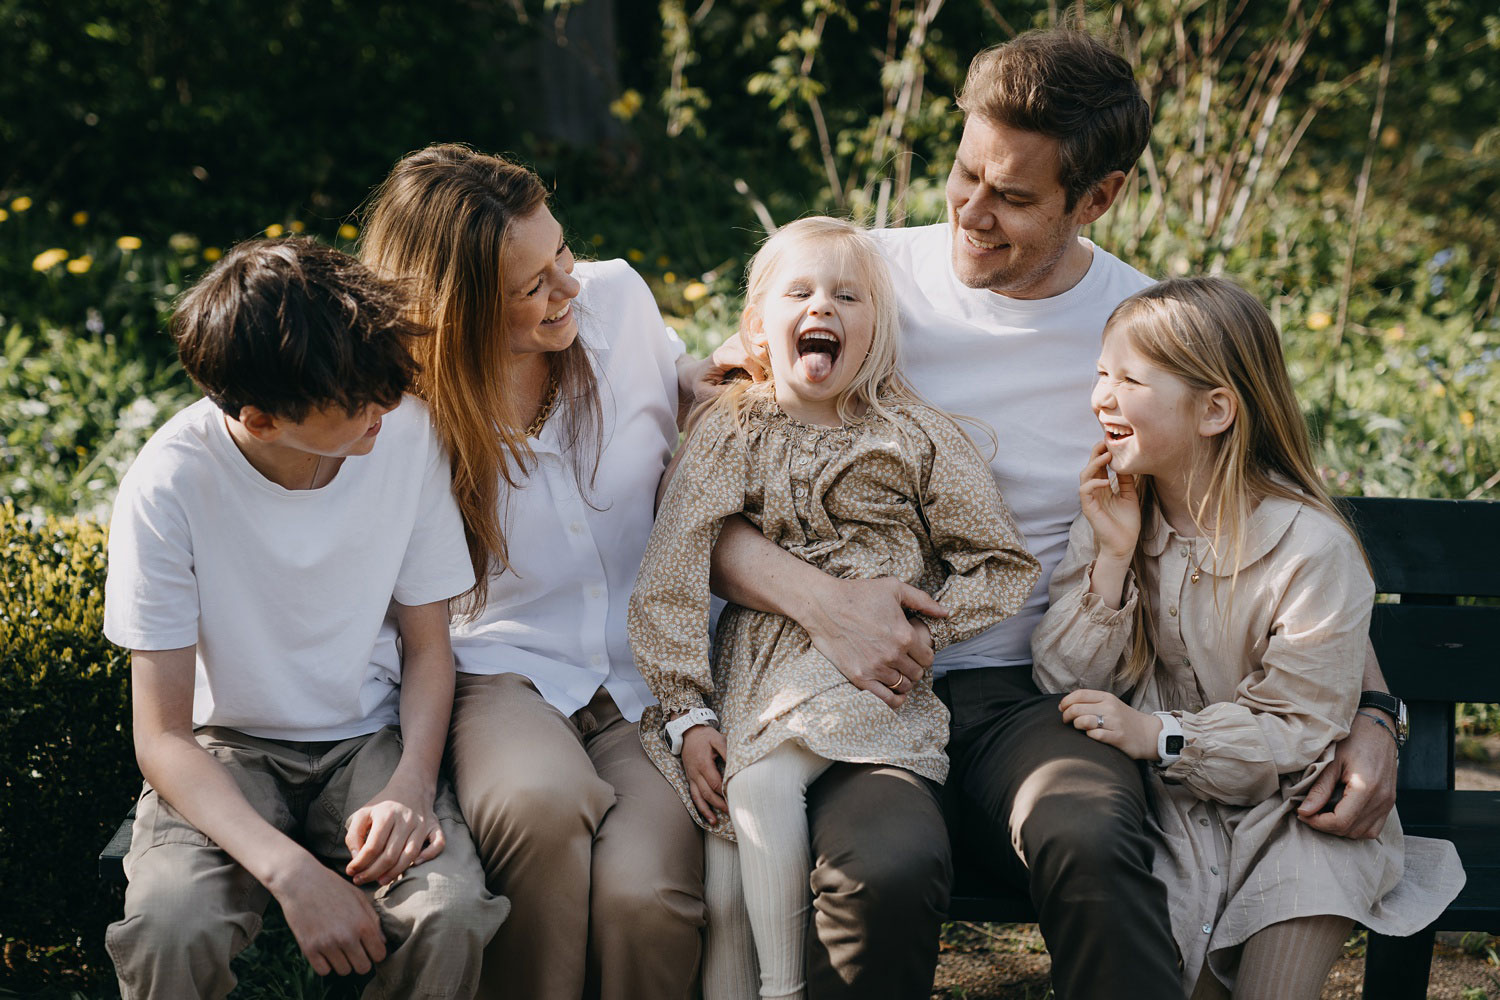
x=1024 y=367
x=286 y=593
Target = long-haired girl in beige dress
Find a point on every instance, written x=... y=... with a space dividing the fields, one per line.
x=836 y=460
x=1210 y=617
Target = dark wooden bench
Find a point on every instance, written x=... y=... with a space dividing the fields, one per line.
x=1434 y=652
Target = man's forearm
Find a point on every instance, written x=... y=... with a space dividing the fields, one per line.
x=1374 y=680
x=754 y=572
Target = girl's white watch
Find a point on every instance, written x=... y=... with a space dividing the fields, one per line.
x=677 y=727
x=1169 y=741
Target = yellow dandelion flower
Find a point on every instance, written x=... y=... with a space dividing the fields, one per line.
x=80 y=265
x=4 y=215
x=1439 y=390
x=348 y=232
x=1390 y=137
x=1319 y=321
x=597 y=239
x=1397 y=332
x=297 y=226
x=80 y=218
x=274 y=230
x=669 y=278
x=626 y=105
x=662 y=261
x=695 y=291
x=212 y=254
x=20 y=204
x=48 y=259
x=1466 y=418
x=128 y=242
x=635 y=256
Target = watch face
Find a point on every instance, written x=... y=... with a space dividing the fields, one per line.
x=1174 y=745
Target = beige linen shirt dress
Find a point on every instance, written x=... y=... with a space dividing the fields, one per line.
x=1264 y=673
x=904 y=495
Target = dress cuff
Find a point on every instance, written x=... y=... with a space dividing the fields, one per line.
x=680 y=700
x=1100 y=613
x=942 y=631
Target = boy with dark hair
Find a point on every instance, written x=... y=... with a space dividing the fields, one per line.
x=290 y=746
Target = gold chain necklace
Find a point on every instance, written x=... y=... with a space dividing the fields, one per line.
x=549 y=401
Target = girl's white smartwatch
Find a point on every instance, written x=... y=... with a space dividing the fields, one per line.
x=693 y=717
x=1169 y=741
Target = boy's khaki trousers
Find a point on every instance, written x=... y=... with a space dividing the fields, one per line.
x=189 y=908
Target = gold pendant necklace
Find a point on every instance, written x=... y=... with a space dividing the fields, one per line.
x=1196 y=562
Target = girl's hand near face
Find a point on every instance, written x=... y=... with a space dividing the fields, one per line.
x=1109 y=720
x=1116 y=520
x=1115 y=517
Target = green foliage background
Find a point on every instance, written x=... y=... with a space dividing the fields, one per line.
x=1351 y=183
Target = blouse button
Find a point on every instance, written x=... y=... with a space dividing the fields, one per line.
x=595 y=592
x=1208 y=928
x=1214 y=869
x=1182 y=551
x=576 y=527
x=1172 y=612
x=1203 y=822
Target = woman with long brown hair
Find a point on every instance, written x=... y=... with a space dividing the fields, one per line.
x=554 y=385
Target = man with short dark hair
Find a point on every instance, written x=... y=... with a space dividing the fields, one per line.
x=1002 y=312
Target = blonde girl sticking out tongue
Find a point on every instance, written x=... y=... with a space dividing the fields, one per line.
x=837 y=461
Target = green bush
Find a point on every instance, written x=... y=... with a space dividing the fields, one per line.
x=67 y=771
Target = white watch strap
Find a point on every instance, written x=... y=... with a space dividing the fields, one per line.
x=677 y=727
x=1170 y=726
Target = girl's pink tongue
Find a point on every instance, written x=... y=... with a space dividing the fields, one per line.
x=816 y=365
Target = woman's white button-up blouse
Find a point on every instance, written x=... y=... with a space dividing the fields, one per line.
x=557 y=616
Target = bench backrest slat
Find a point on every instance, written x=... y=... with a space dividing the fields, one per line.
x=1433 y=650
x=1430 y=546
x=1439 y=653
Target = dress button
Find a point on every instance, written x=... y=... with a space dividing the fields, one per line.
x=1186 y=662
x=801 y=491
x=1203 y=822
x=1208 y=928
x=1172 y=612
x=1214 y=869
x=1183 y=551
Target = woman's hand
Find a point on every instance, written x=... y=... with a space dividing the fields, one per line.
x=1109 y=720
x=703 y=752
x=1115 y=517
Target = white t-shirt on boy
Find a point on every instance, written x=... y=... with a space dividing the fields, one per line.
x=1024 y=367
x=286 y=593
